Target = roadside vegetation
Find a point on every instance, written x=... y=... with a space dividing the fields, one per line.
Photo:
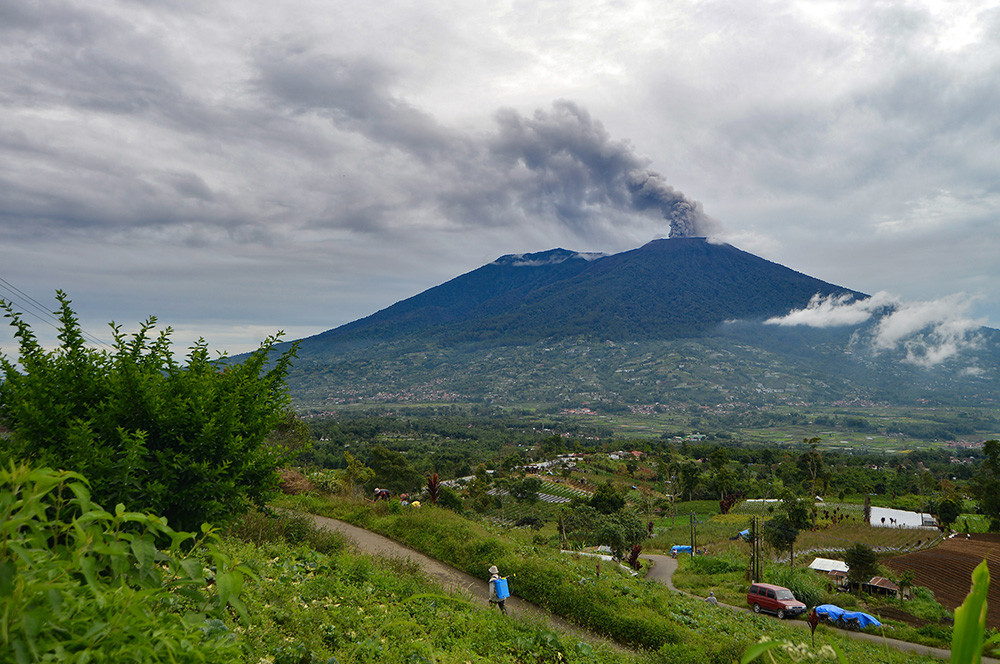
x=725 y=575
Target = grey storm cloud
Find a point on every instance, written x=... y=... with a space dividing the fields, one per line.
x=393 y=145
x=408 y=170
x=558 y=165
x=354 y=94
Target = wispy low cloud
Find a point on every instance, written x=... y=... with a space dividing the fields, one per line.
x=927 y=332
x=836 y=310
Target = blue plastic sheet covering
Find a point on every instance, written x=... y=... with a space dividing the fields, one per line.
x=829 y=611
x=834 y=613
x=864 y=619
x=680 y=548
x=745 y=534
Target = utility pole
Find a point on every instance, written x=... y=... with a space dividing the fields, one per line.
x=756 y=543
x=694 y=537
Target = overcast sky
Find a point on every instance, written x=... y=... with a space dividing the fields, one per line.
x=236 y=168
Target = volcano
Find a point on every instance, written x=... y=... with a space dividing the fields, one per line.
x=667 y=289
x=680 y=319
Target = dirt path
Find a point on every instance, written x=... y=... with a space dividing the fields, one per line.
x=450 y=578
x=662 y=571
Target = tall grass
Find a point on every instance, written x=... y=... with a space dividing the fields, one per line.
x=807 y=586
x=311 y=608
x=293 y=528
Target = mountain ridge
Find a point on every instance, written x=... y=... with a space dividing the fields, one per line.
x=663 y=289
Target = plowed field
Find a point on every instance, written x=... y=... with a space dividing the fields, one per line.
x=947 y=570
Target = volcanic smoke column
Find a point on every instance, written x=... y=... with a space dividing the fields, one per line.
x=564 y=161
x=685 y=216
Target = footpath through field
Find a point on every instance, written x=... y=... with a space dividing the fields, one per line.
x=452 y=579
x=662 y=571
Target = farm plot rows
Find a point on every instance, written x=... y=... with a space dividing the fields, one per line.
x=550 y=495
x=947 y=569
x=550 y=492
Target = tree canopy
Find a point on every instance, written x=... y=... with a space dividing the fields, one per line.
x=187 y=441
x=606 y=499
x=780 y=533
x=984 y=484
x=862 y=563
x=619 y=530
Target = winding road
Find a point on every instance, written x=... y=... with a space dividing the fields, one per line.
x=464 y=584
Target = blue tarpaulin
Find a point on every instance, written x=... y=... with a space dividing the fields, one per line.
x=680 y=548
x=834 y=613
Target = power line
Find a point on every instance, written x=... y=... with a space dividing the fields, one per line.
x=15 y=296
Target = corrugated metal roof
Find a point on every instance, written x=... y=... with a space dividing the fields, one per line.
x=883 y=582
x=828 y=565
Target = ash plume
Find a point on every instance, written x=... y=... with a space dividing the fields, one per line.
x=579 y=169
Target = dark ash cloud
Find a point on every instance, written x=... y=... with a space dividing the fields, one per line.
x=557 y=166
x=574 y=167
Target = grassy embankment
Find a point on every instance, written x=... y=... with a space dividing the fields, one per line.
x=314 y=601
x=642 y=615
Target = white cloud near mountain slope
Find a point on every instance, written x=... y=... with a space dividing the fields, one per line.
x=929 y=332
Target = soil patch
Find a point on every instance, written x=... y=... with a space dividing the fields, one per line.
x=947 y=570
x=893 y=613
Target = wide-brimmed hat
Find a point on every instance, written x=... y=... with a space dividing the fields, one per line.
x=494 y=570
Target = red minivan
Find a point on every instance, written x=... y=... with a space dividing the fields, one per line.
x=774 y=599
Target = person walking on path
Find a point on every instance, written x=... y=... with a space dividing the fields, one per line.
x=711 y=598
x=495 y=597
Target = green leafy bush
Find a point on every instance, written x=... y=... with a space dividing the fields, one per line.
x=349 y=608
x=723 y=564
x=187 y=442
x=80 y=584
x=807 y=586
x=261 y=527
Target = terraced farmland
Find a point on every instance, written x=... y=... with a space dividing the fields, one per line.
x=947 y=570
x=550 y=496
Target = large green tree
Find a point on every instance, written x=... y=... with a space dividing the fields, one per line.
x=620 y=530
x=985 y=482
x=948 y=510
x=862 y=563
x=606 y=499
x=186 y=440
x=690 y=476
x=394 y=471
x=780 y=534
